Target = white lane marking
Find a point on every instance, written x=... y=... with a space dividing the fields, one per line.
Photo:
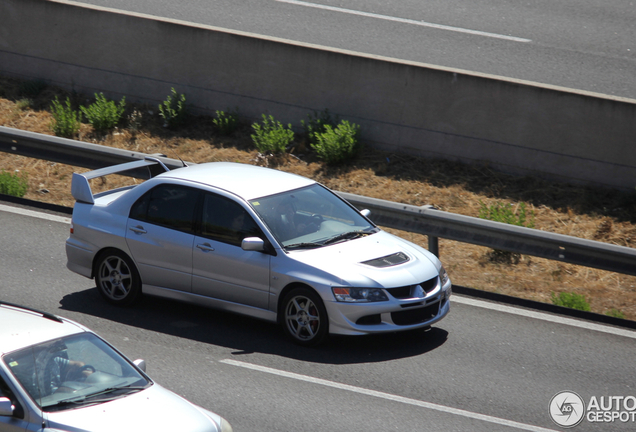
x=406 y=21
x=544 y=316
x=388 y=396
x=40 y=215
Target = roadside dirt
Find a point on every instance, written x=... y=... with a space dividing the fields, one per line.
x=585 y=212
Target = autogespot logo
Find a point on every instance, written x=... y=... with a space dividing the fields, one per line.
x=567 y=409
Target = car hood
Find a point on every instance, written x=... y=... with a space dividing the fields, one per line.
x=154 y=409
x=349 y=262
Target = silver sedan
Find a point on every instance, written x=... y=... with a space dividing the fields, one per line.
x=255 y=241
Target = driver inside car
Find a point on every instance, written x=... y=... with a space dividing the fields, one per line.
x=61 y=369
x=287 y=227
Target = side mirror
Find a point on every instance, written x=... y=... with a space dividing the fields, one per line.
x=366 y=212
x=141 y=364
x=253 y=244
x=6 y=407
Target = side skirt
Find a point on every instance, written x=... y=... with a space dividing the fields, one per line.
x=213 y=303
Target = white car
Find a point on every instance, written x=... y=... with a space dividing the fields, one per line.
x=255 y=241
x=56 y=375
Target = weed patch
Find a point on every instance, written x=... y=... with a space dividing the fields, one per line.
x=104 y=114
x=13 y=184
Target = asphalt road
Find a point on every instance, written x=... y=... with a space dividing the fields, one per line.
x=587 y=45
x=486 y=367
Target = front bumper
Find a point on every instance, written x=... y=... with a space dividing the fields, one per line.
x=387 y=317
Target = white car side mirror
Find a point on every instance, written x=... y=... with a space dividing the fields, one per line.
x=253 y=244
x=6 y=407
x=141 y=364
x=366 y=212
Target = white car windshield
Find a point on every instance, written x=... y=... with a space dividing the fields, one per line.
x=74 y=370
x=311 y=217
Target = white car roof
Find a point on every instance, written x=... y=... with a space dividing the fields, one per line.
x=246 y=181
x=20 y=328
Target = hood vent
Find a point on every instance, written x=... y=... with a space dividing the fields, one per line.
x=388 y=261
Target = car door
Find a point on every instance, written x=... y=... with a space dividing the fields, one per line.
x=221 y=268
x=160 y=235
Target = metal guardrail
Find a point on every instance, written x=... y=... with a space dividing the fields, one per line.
x=71 y=152
x=439 y=224
x=422 y=220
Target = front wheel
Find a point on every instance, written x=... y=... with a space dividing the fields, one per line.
x=304 y=318
x=117 y=279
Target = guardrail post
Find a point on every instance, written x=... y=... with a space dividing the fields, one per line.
x=433 y=245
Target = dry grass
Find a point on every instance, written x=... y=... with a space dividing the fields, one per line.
x=598 y=214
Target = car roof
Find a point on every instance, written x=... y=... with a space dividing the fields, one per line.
x=246 y=181
x=21 y=327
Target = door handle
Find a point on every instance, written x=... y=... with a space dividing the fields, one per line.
x=138 y=229
x=205 y=247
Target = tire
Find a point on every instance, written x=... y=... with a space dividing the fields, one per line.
x=304 y=317
x=117 y=278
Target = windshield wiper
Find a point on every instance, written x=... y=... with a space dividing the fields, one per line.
x=88 y=399
x=346 y=236
x=306 y=245
x=83 y=400
x=77 y=401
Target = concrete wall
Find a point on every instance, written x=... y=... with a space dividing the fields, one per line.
x=407 y=107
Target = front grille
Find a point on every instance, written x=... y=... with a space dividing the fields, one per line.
x=407 y=291
x=415 y=316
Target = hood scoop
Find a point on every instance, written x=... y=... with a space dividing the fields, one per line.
x=388 y=261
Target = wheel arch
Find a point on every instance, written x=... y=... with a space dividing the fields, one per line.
x=106 y=250
x=117 y=287
x=283 y=294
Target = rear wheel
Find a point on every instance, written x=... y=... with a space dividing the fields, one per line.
x=304 y=318
x=116 y=278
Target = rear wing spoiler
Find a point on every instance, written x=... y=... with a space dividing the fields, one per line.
x=81 y=188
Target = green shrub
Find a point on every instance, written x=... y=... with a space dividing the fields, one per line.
x=173 y=110
x=316 y=124
x=571 y=300
x=13 y=184
x=339 y=144
x=104 y=114
x=271 y=136
x=615 y=313
x=501 y=212
x=226 y=122
x=66 y=121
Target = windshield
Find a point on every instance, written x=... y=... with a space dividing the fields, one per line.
x=311 y=217
x=73 y=370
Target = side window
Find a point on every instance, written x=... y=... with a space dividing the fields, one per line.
x=226 y=221
x=170 y=206
x=140 y=207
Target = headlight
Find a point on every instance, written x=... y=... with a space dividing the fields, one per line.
x=443 y=276
x=359 y=295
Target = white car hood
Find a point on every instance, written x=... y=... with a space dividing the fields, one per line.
x=344 y=261
x=154 y=409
